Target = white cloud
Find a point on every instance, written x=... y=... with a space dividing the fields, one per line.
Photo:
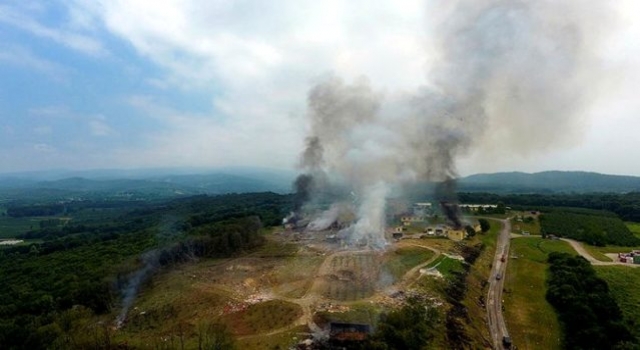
x=258 y=59
x=21 y=57
x=76 y=41
x=99 y=127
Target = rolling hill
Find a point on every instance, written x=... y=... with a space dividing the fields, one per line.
x=549 y=182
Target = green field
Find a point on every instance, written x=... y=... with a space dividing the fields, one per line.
x=624 y=285
x=634 y=227
x=446 y=266
x=11 y=227
x=531 y=320
x=405 y=258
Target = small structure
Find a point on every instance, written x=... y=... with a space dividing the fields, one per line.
x=476 y=207
x=397 y=235
x=456 y=235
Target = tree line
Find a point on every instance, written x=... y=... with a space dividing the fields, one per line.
x=625 y=205
x=593 y=228
x=589 y=316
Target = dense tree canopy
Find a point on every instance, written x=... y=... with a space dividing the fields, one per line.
x=589 y=315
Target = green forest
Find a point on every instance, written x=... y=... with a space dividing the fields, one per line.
x=76 y=270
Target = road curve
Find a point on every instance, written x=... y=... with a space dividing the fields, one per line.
x=577 y=246
x=497 y=326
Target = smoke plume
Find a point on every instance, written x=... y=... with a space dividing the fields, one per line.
x=523 y=70
x=150 y=263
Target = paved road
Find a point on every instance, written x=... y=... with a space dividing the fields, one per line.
x=497 y=327
x=585 y=254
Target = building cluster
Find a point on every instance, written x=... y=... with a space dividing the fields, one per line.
x=630 y=258
x=477 y=207
x=421 y=212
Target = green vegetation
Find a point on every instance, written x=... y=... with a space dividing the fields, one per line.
x=411 y=327
x=634 y=227
x=13 y=227
x=596 y=253
x=457 y=317
x=447 y=267
x=589 y=315
x=625 y=205
x=89 y=261
x=595 y=228
x=405 y=258
x=484 y=225
x=525 y=222
x=531 y=320
x=624 y=284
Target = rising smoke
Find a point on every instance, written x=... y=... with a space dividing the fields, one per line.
x=512 y=67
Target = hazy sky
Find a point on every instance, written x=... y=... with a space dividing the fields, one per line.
x=135 y=83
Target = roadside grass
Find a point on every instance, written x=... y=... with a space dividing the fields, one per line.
x=477 y=286
x=531 y=320
x=624 y=284
x=596 y=252
x=401 y=260
x=612 y=249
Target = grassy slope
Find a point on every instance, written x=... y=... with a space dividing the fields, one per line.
x=624 y=284
x=404 y=258
x=531 y=320
x=476 y=289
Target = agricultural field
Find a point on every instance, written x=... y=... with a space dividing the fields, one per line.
x=591 y=227
x=12 y=227
x=624 y=284
x=531 y=320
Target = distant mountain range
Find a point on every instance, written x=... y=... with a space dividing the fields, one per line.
x=153 y=182
x=177 y=182
x=549 y=182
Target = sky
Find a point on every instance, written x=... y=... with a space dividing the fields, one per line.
x=90 y=84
